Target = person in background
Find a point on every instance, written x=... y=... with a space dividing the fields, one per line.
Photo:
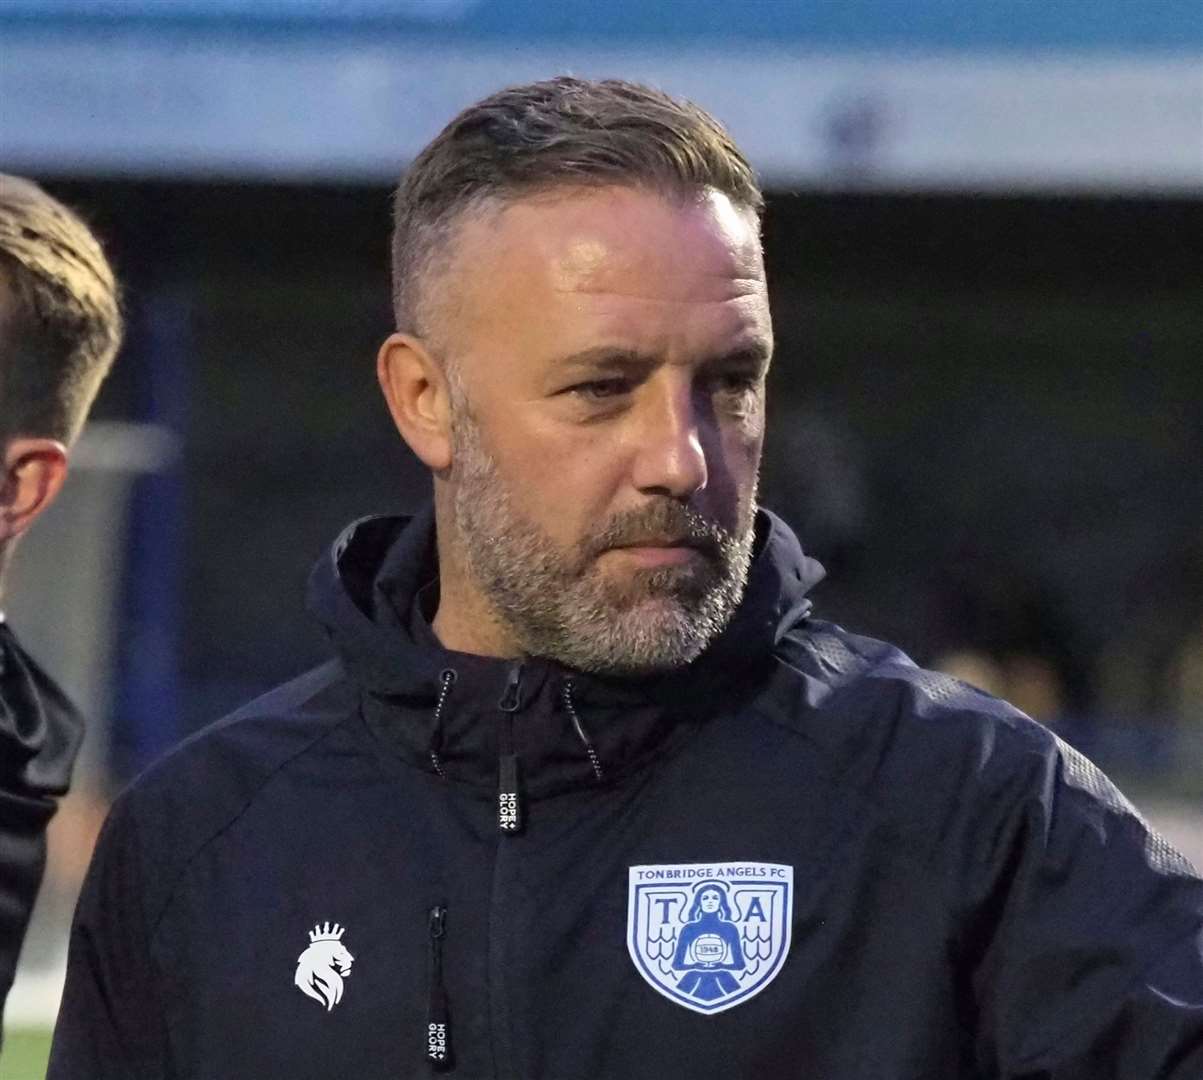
x=60 y=327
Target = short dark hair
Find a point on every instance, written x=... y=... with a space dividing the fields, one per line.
x=562 y=132
x=65 y=321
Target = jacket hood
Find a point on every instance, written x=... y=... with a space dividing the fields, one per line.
x=364 y=589
x=528 y=728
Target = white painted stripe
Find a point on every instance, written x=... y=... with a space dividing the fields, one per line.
x=182 y=106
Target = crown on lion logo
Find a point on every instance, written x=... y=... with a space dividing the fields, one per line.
x=326 y=932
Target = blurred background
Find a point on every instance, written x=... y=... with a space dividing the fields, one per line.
x=985 y=247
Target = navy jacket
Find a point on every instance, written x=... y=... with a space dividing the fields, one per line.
x=801 y=856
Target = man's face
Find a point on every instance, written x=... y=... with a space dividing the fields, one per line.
x=608 y=350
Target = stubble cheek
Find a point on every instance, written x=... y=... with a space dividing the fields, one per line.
x=576 y=483
x=565 y=522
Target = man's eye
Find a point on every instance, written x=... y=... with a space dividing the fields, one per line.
x=736 y=382
x=599 y=389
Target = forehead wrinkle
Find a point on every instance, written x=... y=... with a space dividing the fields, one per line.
x=591 y=259
x=597 y=255
x=740 y=289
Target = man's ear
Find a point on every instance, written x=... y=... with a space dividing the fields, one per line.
x=34 y=471
x=415 y=388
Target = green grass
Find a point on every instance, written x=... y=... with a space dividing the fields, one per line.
x=25 y=1053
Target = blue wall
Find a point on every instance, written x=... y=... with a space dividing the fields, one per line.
x=840 y=24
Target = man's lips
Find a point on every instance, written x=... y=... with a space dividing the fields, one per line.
x=657 y=542
x=660 y=552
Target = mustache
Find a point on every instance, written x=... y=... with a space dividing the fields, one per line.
x=661 y=522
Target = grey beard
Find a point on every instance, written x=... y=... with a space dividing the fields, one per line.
x=559 y=605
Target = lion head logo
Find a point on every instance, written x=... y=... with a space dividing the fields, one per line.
x=322 y=967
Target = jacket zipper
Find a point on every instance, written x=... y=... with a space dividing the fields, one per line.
x=438 y=1021
x=509 y=800
x=509 y=821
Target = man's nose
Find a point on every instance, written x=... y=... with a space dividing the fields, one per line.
x=671 y=456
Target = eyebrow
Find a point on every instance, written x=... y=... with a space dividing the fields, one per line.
x=610 y=356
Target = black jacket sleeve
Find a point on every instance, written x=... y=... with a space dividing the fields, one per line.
x=1088 y=932
x=111 y=1022
x=40 y=733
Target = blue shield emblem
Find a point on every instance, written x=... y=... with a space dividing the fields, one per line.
x=710 y=936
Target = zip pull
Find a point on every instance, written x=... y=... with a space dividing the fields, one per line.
x=509 y=804
x=509 y=699
x=438 y=1020
x=509 y=801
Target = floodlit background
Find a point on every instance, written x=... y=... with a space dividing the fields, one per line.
x=983 y=242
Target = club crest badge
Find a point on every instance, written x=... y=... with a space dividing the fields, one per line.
x=710 y=936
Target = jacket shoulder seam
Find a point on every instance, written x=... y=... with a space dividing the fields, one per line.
x=236 y=816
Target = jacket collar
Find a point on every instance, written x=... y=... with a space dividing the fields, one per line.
x=40 y=730
x=367 y=593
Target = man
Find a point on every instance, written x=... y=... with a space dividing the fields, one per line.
x=60 y=327
x=587 y=792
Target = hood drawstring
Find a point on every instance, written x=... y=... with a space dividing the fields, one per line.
x=447 y=679
x=509 y=797
x=594 y=760
x=438 y=1020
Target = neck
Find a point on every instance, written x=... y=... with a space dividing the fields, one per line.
x=465 y=621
